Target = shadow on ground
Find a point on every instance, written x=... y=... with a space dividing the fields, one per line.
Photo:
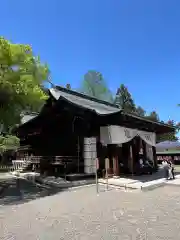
x=13 y=192
x=18 y=192
x=21 y=191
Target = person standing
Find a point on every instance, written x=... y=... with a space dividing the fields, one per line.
x=166 y=169
x=172 y=169
x=169 y=171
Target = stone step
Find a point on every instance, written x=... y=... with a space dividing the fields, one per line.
x=134 y=184
x=153 y=184
x=174 y=182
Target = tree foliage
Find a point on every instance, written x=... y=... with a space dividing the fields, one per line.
x=94 y=85
x=169 y=136
x=21 y=79
x=166 y=136
x=153 y=116
x=124 y=99
x=140 y=111
x=8 y=142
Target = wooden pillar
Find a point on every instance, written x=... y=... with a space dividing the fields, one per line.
x=115 y=160
x=144 y=149
x=138 y=146
x=115 y=166
x=154 y=157
x=131 y=160
x=119 y=154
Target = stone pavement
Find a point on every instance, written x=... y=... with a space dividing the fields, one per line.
x=174 y=182
x=82 y=215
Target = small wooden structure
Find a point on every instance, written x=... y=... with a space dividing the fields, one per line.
x=172 y=155
x=78 y=128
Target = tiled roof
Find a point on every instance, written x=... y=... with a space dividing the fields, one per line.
x=100 y=107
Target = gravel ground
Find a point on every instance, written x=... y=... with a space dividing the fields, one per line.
x=81 y=214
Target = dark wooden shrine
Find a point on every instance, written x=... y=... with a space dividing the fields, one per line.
x=57 y=132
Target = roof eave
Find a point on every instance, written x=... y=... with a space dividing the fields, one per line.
x=159 y=124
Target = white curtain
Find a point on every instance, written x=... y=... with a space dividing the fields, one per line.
x=104 y=136
x=115 y=135
x=119 y=135
x=149 y=153
x=148 y=137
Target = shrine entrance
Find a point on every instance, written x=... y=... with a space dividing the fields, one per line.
x=126 y=146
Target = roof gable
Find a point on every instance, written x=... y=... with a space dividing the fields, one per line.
x=93 y=104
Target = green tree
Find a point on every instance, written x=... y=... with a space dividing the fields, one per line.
x=166 y=136
x=22 y=77
x=8 y=142
x=94 y=85
x=169 y=136
x=140 y=111
x=153 y=116
x=124 y=99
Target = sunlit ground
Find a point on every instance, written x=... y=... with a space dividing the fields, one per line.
x=81 y=214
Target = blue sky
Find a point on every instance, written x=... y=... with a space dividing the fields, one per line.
x=135 y=42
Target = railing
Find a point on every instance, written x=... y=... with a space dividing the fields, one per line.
x=65 y=159
x=34 y=161
x=16 y=165
x=5 y=167
x=53 y=159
